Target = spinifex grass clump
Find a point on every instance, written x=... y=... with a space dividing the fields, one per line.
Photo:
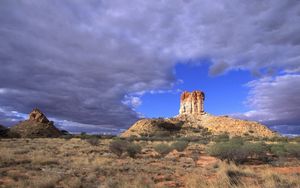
x=163 y=149
x=94 y=141
x=119 y=146
x=180 y=145
x=133 y=149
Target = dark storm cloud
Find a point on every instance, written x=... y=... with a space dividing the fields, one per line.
x=77 y=60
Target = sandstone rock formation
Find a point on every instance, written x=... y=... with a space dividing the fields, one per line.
x=193 y=121
x=164 y=128
x=36 y=126
x=226 y=125
x=37 y=116
x=192 y=102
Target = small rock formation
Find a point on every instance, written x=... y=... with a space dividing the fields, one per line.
x=37 y=125
x=192 y=102
x=37 y=116
x=193 y=121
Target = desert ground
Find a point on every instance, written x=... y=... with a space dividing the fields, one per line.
x=101 y=162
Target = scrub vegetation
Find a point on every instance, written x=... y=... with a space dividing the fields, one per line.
x=91 y=161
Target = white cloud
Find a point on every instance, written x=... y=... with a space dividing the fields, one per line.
x=132 y=101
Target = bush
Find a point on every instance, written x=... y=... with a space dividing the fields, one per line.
x=293 y=150
x=285 y=150
x=221 y=138
x=180 y=145
x=237 y=151
x=237 y=140
x=94 y=141
x=256 y=150
x=163 y=149
x=227 y=151
x=278 y=150
x=118 y=147
x=133 y=149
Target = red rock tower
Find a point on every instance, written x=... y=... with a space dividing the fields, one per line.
x=192 y=103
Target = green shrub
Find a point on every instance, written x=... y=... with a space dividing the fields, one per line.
x=293 y=149
x=180 y=145
x=238 y=151
x=278 y=150
x=133 y=149
x=118 y=146
x=163 y=149
x=94 y=141
x=256 y=150
x=285 y=150
x=237 y=140
x=221 y=138
x=227 y=151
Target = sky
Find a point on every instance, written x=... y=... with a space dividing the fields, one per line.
x=98 y=66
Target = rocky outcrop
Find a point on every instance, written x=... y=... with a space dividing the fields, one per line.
x=227 y=125
x=193 y=121
x=37 y=125
x=164 y=128
x=37 y=116
x=192 y=102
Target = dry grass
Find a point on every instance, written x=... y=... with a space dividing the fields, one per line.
x=76 y=163
x=222 y=175
x=273 y=179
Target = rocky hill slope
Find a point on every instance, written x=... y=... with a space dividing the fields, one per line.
x=193 y=121
x=36 y=126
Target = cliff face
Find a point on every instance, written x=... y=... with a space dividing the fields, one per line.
x=192 y=102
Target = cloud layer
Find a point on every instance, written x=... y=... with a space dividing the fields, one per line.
x=276 y=102
x=77 y=60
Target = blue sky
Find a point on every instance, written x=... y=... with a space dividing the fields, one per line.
x=225 y=94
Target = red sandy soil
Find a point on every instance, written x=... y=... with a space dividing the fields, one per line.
x=206 y=160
